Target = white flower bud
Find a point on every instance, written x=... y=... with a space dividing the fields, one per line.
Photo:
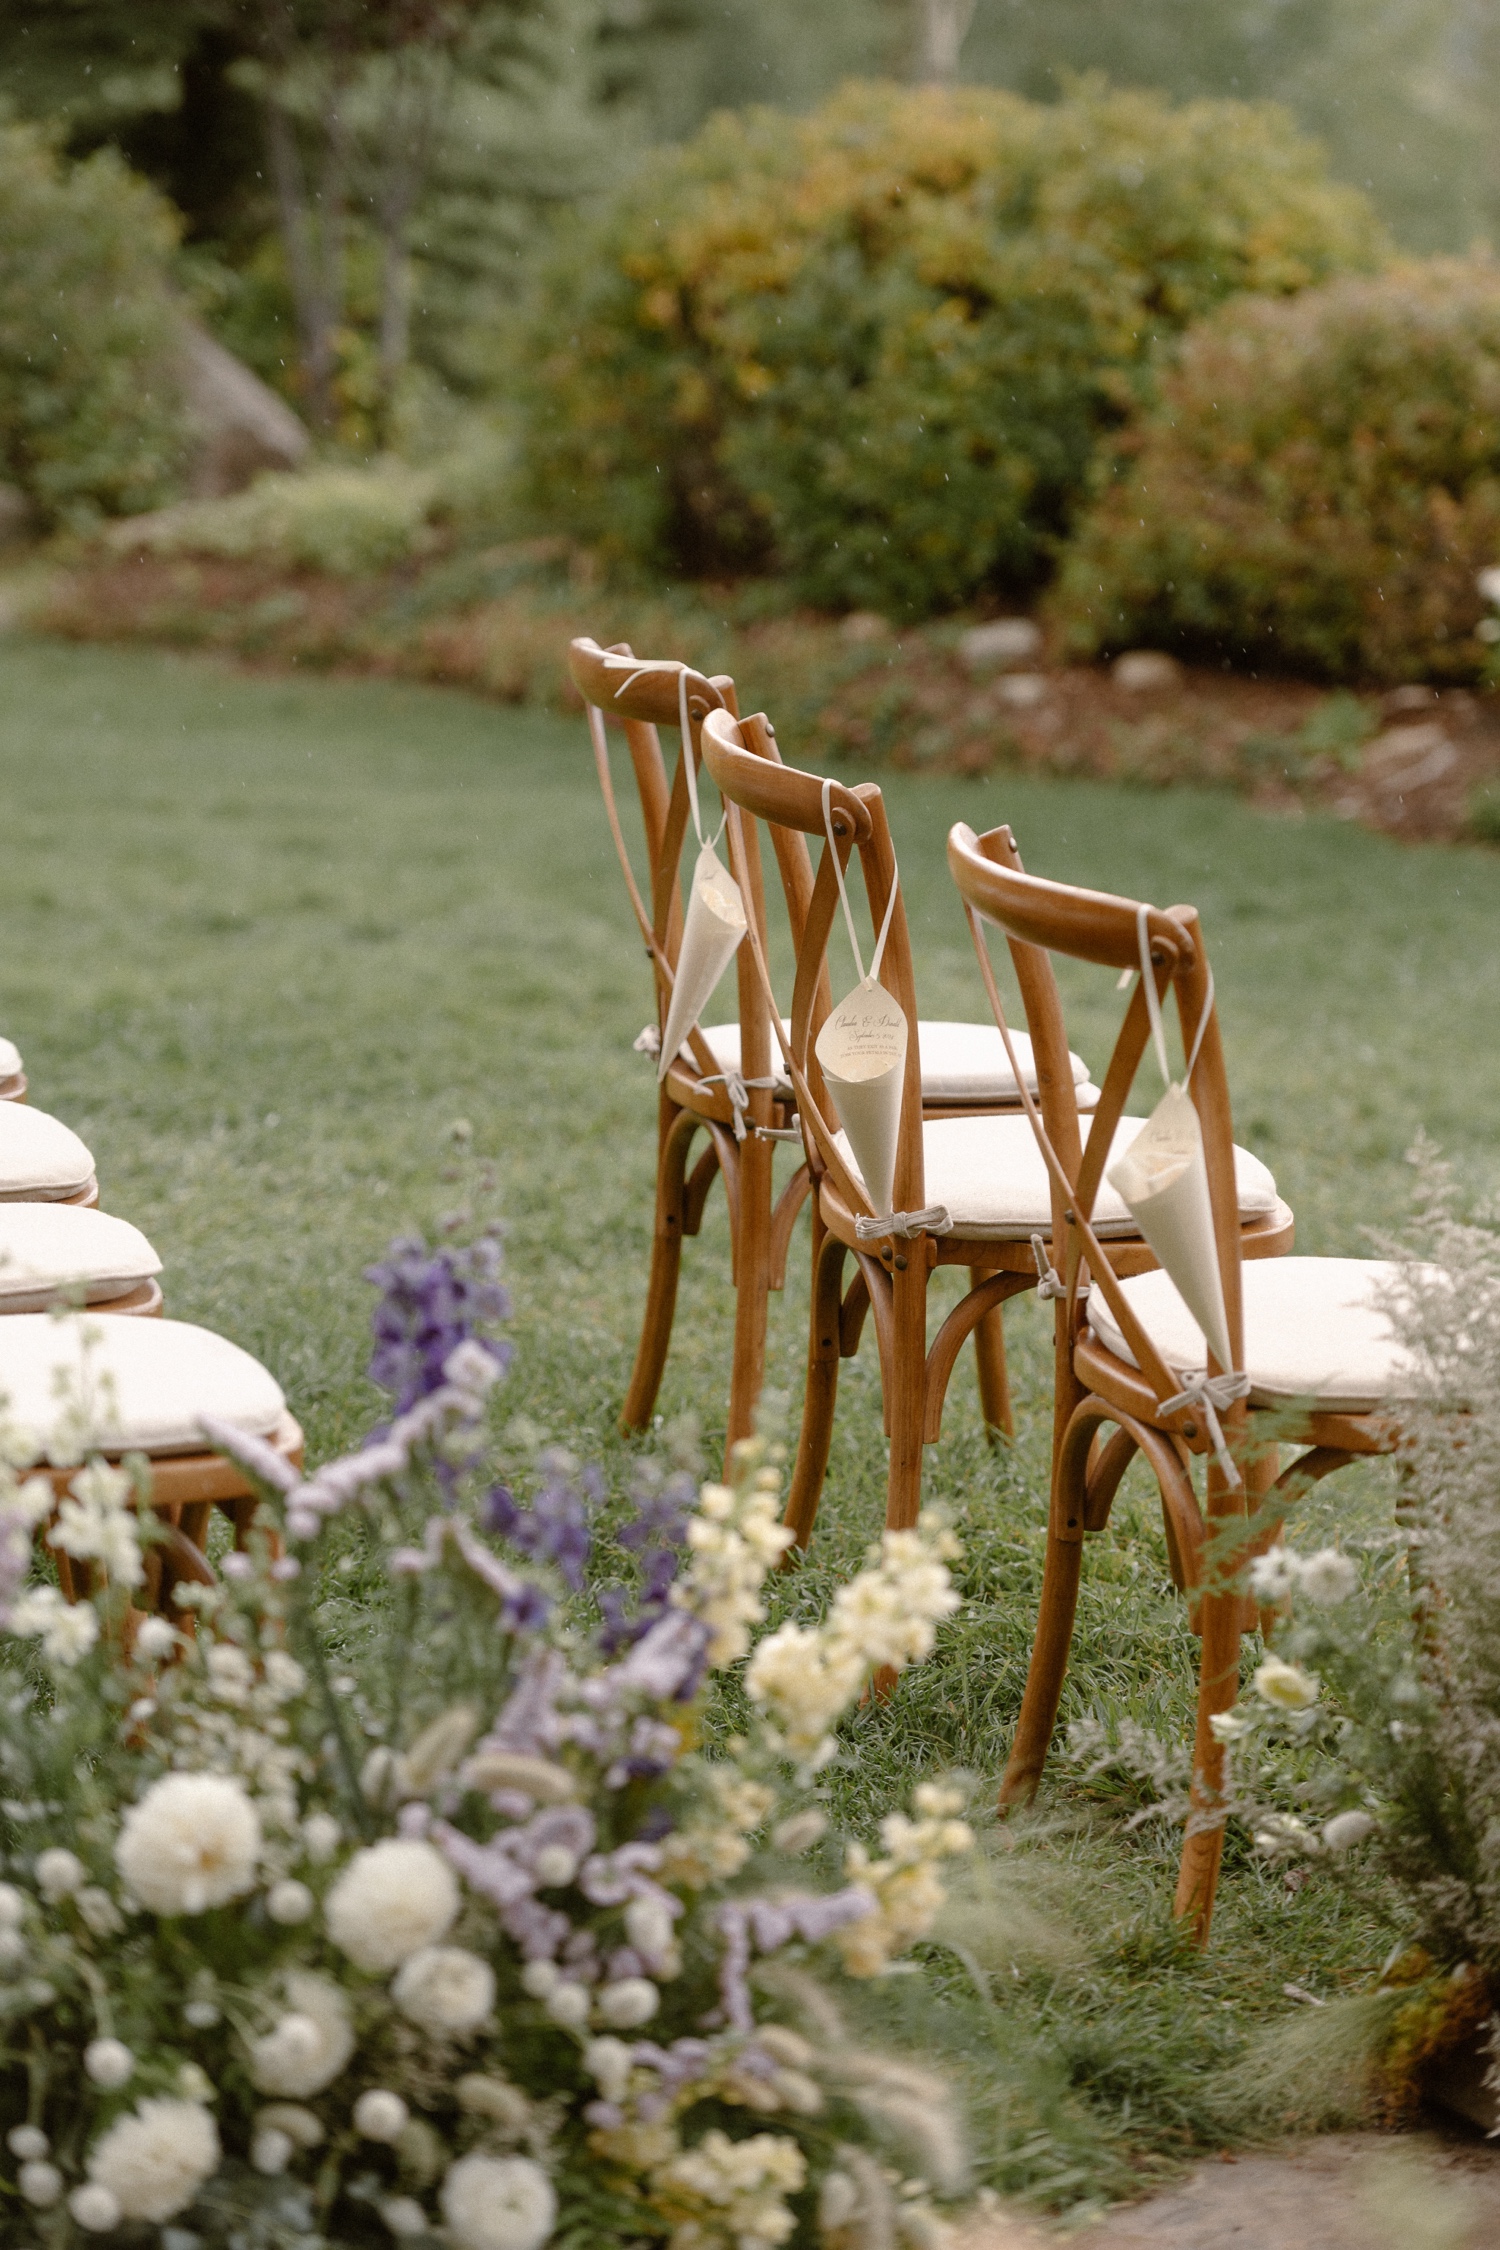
x=289 y=1902
x=1347 y=1828
x=60 y=1873
x=568 y=2004
x=12 y=1949
x=404 y=2215
x=540 y=1978
x=12 y=1907
x=648 y=1926
x=380 y=2116
x=95 y=2208
x=193 y=2084
x=271 y=2151
x=1286 y=1687
x=27 y=2141
x=608 y=2064
x=554 y=1865
x=40 y=2183
x=321 y=1837
x=629 y=2002
x=201 y=2015
x=156 y=1638
x=108 y=2062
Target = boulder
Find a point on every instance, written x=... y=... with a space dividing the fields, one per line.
x=1143 y=671
x=239 y=426
x=1005 y=640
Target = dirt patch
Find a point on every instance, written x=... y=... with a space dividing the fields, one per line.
x=1346 y=2191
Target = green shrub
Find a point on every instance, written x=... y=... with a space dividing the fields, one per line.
x=872 y=349
x=344 y=520
x=1316 y=489
x=1482 y=813
x=90 y=419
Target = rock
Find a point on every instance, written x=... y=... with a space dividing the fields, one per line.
x=1023 y=691
x=863 y=625
x=1414 y=697
x=1141 y=671
x=1005 y=640
x=239 y=426
x=1404 y=760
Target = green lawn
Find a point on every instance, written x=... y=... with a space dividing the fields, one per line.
x=265 y=940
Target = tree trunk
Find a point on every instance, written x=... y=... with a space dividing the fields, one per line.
x=942 y=27
x=306 y=270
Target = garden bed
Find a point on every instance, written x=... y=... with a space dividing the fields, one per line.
x=1415 y=762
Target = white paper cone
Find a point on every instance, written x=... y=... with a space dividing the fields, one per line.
x=1164 y=1181
x=711 y=932
x=862 y=1050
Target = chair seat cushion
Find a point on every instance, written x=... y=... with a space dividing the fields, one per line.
x=11 y=1065
x=144 y=1384
x=46 y=1248
x=988 y=1174
x=1317 y=1331
x=961 y=1062
x=40 y=1157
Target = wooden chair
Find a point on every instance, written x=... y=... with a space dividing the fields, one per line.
x=722 y=1083
x=970 y=1190
x=140 y=1387
x=64 y=1252
x=1315 y=1363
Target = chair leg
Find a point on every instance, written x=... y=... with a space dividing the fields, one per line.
x=816 y=1434
x=905 y=1388
x=1049 y=1663
x=752 y=1282
x=666 y=1264
x=1218 y=1685
x=989 y=1357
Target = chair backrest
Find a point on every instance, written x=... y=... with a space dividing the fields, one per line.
x=644 y=694
x=753 y=782
x=1041 y=917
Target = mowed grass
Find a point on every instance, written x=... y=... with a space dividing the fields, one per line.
x=265 y=940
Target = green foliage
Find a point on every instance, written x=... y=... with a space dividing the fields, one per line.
x=1482 y=814
x=874 y=348
x=346 y=521
x=89 y=416
x=1317 y=488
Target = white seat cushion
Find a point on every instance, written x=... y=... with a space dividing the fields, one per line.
x=40 y=1158
x=988 y=1174
x=1316 y=1330
x=46 y=1248
x=10 y=1059
x=145 y=1383
x=961 y=1062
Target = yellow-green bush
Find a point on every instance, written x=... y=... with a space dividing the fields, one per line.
x=90 y=419
x=872 y=349
x=341 y=519
x=1316 y=488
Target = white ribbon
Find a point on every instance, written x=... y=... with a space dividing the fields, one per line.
x=738 y=1090
x=647 y=1041
x=638 y=672
x=1049 y=1282
x=1153 y=1004
x=1210 y=1396
x=905 y=1224
x=890 y=904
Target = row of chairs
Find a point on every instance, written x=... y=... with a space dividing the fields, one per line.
x=1004 y=1149
x=112 y=1376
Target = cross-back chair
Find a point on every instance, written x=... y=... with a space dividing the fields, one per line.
x=143 y=1388
x=1314 y=1361
x=970 y=1190
x=721 y=1084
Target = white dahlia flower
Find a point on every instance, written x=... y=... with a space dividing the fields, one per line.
x=498 y=2203
x=391 y=1900
x=154 y=2161
x=1286 y=1687
x=308 y=2046
x=109 y=2062
x=192 y=1842
x=445 y=1989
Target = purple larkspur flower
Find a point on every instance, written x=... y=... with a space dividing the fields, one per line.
x=657 y=1536
x=555 y=1528
x=431 y=1302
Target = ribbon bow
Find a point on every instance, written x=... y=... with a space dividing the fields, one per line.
x=1212 y=1395
x=905 y=1224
